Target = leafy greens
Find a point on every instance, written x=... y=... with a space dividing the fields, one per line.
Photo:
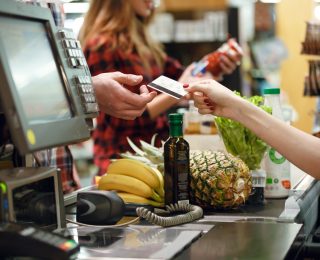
x=240 y=141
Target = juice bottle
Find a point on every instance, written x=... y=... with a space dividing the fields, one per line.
x=277 y=167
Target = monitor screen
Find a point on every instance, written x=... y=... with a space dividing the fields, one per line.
x=46 y=91
x=34 y=71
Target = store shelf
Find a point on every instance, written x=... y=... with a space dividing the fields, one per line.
x=191 y=5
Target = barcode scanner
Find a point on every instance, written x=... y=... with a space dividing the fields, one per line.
x=98 y=207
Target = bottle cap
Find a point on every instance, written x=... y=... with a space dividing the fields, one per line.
x=175 y=117
x=271 y=91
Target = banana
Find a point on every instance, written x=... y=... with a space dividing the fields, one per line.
x=136 y=170
x=160 y=191
x=132 y=198
x=127 y=184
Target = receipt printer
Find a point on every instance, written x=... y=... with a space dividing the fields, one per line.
x=32 y=196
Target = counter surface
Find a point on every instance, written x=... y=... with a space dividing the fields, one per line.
x=245 y=240
x=250 y=232
x=246 y=233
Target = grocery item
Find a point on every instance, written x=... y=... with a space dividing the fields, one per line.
x=138 y=170
x=192 y=119
x=148 y=154
x=240 y=141
x=211 y=62
x=277 y=166
x=218 y=180
x=243 y=143
x=127 y=184
x=133 y=198
x=176 y=163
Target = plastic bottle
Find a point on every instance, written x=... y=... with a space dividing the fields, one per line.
x=277 y=167
x=192 y=120
x=176 y=163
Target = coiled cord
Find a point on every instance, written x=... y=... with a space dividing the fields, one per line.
x=192 y=213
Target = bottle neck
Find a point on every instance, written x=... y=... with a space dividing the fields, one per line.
x=273 y=100
x=176 y=130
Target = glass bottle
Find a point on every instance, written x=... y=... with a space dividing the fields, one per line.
x=277 y=167
x=176 y=163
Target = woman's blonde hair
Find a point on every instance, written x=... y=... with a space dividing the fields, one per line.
x=116 y=20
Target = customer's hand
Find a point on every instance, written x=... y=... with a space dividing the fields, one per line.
x=210 y=97
x=115 y=100
x=231 y=58
x=225 y=60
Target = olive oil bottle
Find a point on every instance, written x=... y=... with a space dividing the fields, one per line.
x=176 y=163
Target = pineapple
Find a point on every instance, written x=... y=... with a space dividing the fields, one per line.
x=218 y=179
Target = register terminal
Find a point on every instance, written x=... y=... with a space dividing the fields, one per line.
x=47 y=99
x=46 y=90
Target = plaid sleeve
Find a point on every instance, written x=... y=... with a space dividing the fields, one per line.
x=100 y=60
x=173 y=68
x=60 y=157
x=110 y=133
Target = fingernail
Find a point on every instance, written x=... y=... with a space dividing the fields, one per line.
x=185 y=85
x=136 y=77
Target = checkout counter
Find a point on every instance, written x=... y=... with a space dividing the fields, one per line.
x=280 y=229
x=35 y=53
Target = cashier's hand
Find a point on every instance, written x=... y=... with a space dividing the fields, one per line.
x=116 y=100
x=210 y=97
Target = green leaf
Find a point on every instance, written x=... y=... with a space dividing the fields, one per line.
x=240 y=141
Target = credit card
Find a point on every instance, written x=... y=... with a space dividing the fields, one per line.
x=168 y=86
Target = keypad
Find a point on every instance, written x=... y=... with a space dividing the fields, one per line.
x=82 y=79
x=72 y=48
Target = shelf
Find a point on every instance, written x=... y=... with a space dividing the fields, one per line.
x=195 y=42
x=311 y=56
x=191 y=5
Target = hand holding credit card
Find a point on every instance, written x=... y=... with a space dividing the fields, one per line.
x=168 y=86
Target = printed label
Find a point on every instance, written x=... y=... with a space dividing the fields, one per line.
x=258 y=182
x=276 y=157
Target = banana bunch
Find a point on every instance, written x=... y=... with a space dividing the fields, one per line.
x=148 y=153
x=135 y=182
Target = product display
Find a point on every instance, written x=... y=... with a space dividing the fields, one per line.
x=312 y=80
x=312 y=40
x=277 y=166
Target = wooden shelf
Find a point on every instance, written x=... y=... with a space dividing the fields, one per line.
x=191 y=5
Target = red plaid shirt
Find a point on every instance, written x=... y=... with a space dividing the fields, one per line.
x=110 y=133
x=61 y=158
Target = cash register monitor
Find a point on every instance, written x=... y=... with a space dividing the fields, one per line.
x=45 y=88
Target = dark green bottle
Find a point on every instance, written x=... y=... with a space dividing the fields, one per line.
x=176 y=163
